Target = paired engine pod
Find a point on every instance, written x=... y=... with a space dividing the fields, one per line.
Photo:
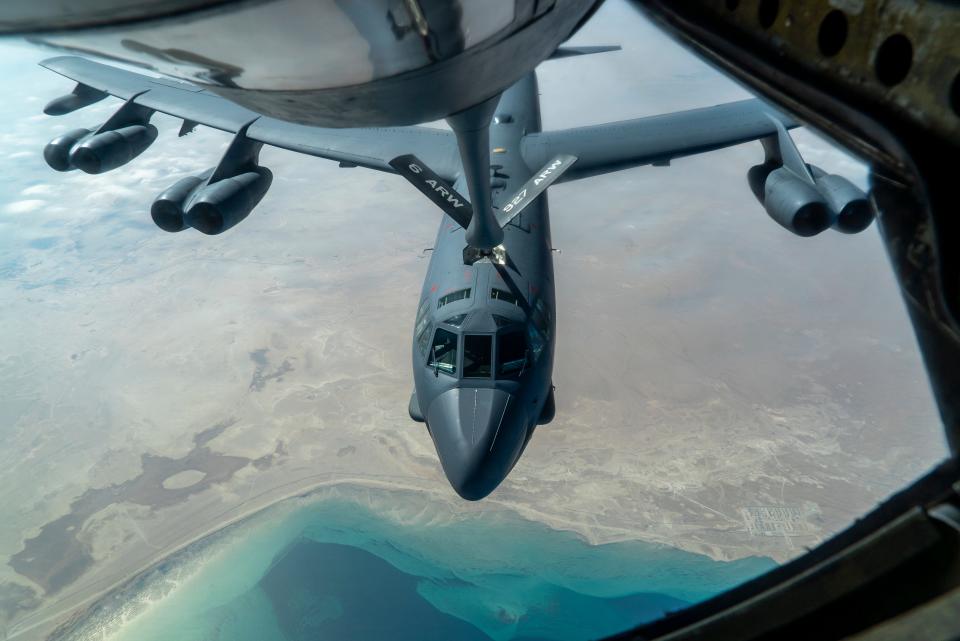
x=111 y=149
x=795 y=204
x=167 y=209
x=217 y=207
x=57 y=151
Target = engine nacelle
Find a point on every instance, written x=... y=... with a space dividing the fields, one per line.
x=795 y=204
x=851 y=206
x=167 y=209
x=757 y=178
x=57 y=151
x=111 y=149
x=215 y=208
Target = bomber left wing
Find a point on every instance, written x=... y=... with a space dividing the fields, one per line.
x=371 y=148
x=653 y=140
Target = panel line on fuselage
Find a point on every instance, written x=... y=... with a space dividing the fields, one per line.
x=499 y=423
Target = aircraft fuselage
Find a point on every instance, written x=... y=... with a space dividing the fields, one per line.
x=484 y=333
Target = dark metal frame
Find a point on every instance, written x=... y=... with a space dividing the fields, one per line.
x=895 y=573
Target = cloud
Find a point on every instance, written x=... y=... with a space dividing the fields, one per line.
x=106 y=195
x=38 y=190
x=24 y=206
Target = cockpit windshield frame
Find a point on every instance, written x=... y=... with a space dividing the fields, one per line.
x=444 y=352
x=508 y=353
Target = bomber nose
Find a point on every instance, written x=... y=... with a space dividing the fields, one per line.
x=478 y=433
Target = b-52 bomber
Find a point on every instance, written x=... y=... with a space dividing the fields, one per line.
x=485 y=327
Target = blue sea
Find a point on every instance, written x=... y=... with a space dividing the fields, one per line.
x=355 y=564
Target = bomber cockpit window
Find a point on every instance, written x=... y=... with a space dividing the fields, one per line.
x=443 y=353
x=453 y=296
x=421 y=327
x=505 y=296
x=511 y=355
x=456 y=321
x=422 y=315
x=541 y=318
x=538 y=332
x=502 y=321
x=423 y=339
x=477 y=356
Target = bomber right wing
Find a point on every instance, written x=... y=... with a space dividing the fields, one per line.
x=371 y=148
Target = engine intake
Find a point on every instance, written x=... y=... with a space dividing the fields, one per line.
x=794 y=204
x=167 y=209
x=853 y=209
x=217 y=207
x=57 y=151
x=111 y=149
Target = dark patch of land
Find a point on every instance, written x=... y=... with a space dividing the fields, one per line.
x=261 y=376
x=268 y=460
x=56 y=558
x=14 y=599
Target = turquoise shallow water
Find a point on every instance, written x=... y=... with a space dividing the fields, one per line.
x=362 y=565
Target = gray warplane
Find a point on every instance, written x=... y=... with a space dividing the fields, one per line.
x=483 y=339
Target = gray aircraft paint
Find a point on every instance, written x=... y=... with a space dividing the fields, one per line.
x=480 y=426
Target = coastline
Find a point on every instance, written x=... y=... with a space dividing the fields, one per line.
x=59 y=623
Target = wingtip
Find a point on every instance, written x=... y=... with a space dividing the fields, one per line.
x=54 y=60
x=572 y=51
x=57 y=63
